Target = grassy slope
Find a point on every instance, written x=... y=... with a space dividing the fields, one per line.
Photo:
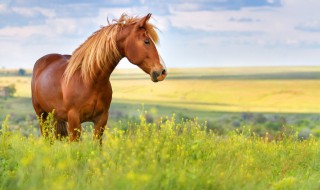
x=165 y=155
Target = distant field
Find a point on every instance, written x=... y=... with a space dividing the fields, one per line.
x=293 y=90
x=22 y=84
x=225 y=97
x=295 y=96
x=274 y=89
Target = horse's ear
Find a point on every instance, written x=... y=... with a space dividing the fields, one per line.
x=143 y=21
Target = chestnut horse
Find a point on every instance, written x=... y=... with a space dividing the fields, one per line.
x=77 y=86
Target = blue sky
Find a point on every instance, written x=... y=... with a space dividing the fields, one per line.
x=193 y=33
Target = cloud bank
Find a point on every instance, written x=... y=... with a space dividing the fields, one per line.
x=193 y=33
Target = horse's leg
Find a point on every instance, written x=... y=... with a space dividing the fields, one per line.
x=99 y=127
x=74 y=125
x=61 y=129
x=42 y=115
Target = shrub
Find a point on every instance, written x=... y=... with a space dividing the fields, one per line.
x=22 y=72
x=8 y=91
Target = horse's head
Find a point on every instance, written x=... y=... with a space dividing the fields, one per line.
x=138 y=44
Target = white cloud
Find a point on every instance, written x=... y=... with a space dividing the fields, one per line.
x=120 y=2
x=111 y=13
x=223 y=20
x=69 y=26
x=3 y=8
x=51 y=28
x=186 y=6
x=309 y=26
x=277 y=26
x=25 y=44
x=162 y=22
x=33 y=11
x=215 y=35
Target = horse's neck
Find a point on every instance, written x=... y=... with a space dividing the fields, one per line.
x=104 y=74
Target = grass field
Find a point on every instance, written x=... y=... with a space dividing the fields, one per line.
x=283 y=89
x=261 y=132
x=162 y=155
x=233 y=89
x=233 y=95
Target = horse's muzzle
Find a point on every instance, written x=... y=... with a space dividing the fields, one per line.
x=158 y=76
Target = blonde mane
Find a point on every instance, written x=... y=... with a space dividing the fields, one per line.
x=100 y=49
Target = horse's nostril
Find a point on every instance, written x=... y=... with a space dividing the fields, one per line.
x=164 y=72
x=155 y=76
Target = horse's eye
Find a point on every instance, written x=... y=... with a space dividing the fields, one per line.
x=147 y=41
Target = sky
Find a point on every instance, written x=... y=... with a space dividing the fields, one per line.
x=193 y=33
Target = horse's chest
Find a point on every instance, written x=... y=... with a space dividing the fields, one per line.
x=97 y=106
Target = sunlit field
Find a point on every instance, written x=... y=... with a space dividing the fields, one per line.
x=208 y=128
x=220 y=95
x=283 y=89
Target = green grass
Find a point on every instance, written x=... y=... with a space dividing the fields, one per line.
x=159 y=155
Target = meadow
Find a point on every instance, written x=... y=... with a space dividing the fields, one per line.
x=159 y=155
x=226 y=98
x=210 y=128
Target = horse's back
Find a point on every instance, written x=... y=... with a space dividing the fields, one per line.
x=46 y=81
x=43 y=62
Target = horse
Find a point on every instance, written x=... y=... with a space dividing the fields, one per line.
x=77 y=87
